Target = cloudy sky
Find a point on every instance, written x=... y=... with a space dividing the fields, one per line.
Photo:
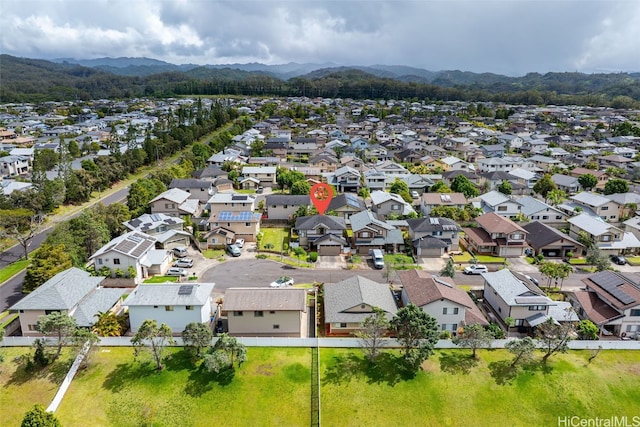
x=504 y=36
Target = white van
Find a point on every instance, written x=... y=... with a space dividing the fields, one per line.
x=378 y=258
x=180 y=252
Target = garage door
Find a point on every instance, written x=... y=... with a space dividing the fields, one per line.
x=175 y=243
x=329 y=250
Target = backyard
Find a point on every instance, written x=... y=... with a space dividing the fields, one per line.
x=275 y=237
x=274 y=388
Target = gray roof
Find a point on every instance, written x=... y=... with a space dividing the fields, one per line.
x=493 y=198
x=100 y=300
x=265 y=299
x=513 y=290
x=133 y=244
x=175 y=195
x=351 y=293
x=564 y=180
x=590 y=199
x=531 y=205
x=591 y=224
x=624 y=198
x=287 y=199
x=170 y=294
x=563 y=312
x=346 y=199
x=190 y=183
x=62 y=292
x=146 y=222
x=365 y=218
x=310 y=222
x=430 y=224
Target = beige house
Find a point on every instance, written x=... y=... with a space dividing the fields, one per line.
x=602 y=206
x=510 y=296
x=349 y=302
x=74 y=292
x=175 y=202
x=265 y=174
x=231 y=202
x=440 y=298
x=245 y=225
x=496 y=235
x=272 y=312
x=432 y=200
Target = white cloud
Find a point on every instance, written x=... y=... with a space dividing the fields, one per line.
x=505 y=36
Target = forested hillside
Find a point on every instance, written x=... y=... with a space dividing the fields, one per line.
x=28 y=80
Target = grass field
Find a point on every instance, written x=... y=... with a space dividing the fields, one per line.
x=12 y=269
x=161 y=279
x=482 y=259
x=275 y=237
x=21 y=390
x=453 y=391
x=213 y=253
x=274 y=388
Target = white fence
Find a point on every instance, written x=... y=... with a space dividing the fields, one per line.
x=333 y=343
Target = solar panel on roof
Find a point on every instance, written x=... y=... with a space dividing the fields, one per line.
x=239 y=197
x=185 y=290
x=236 y=216
x=610 y=283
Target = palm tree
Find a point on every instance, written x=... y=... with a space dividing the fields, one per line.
x=108 y=324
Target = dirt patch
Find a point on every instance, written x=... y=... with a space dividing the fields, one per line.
x=265 y=370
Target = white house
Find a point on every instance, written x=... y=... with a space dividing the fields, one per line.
x=177 y=305
x=123 y=252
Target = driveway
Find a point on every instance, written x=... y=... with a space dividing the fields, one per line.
x=432 y=265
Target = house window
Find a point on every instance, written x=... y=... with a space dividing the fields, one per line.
x=502 y=208
x=365 y=234
x=99 y=261
x=247 y=224
x=343 y=325
x=605 y=238
x=237 y=314
x=605 y=208
x=632 y=328
x=276 y=326
x=258 y=314
x=635 y=312
x=558 y=217
x=155 y=306
x=168 y=308
x=455 y=310
x=519 y=322
x=395 y=207
x=188 y=307
x=32 y=327
x=272 y=312
x=545 y=216
x=517 y=236
x=612 y=217
x=444 y=310
x=536 y=217
x=537 y=307
x=116 y=261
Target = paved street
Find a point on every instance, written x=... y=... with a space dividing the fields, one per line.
x=11 y=291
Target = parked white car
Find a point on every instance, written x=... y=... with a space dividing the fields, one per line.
x=239 y=243
x=476 y=269
x=282 y=282
x=176 y=271
x=184 y=263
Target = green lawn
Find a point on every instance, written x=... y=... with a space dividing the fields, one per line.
x=213 y=253
x=633 y=260
x=578 y=261
x=294 y=262
x=21 y=390
x=161 y=279
x=400 y=261
x=275 y=237
x=466 y=257
x=13 y=269
x=271 y=388
x=451 y=391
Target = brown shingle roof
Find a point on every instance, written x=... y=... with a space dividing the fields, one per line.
x=594 y=308
x=479 y=236
x=494 y=223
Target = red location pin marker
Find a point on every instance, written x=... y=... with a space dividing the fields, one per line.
x=321 y=195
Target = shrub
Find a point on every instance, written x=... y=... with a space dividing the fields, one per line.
x=569 y=254
x=445 y=335
x=313 y=256
x=104 y=271
x=496 y=331
x=261 y=256
x=131 y=271
x=118 y=272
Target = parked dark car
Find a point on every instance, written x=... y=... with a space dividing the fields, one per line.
x=618 y=259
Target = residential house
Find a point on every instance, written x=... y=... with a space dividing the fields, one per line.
x=452 y=163
x=167 y=230
x=173 y=304
x=418 y=183
x=536 y=210
x=322 y=233
x=284 y=206
x=176 y=202
x=601 y=206
x=432 y=200
x=345 y=205
x=244 y=224
x=546 y=163
x=231 y=202
x=265 y=175
x=375 y=180
x=525 y=177
x=74 y=292
x=14 y=165
x=566 y=183
x=504 y=164
x=10 y=185
x=496 y=150
x=433 y=236
x=385 y=204
x=608 y=238
x=280 y=312
x=369 y=232
x=602 y=176
x=632 y=225
x=440 y=298
x=349 y=302
x=551 y=242
x=503 y=205
x=344 y=179
x=326 y=162
x=200 y=189
x=521 y=300
x=616 y=161
x=611 y=300
x=135 y=250
x=228 y=155
x=627 y=203
x=496 y=235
